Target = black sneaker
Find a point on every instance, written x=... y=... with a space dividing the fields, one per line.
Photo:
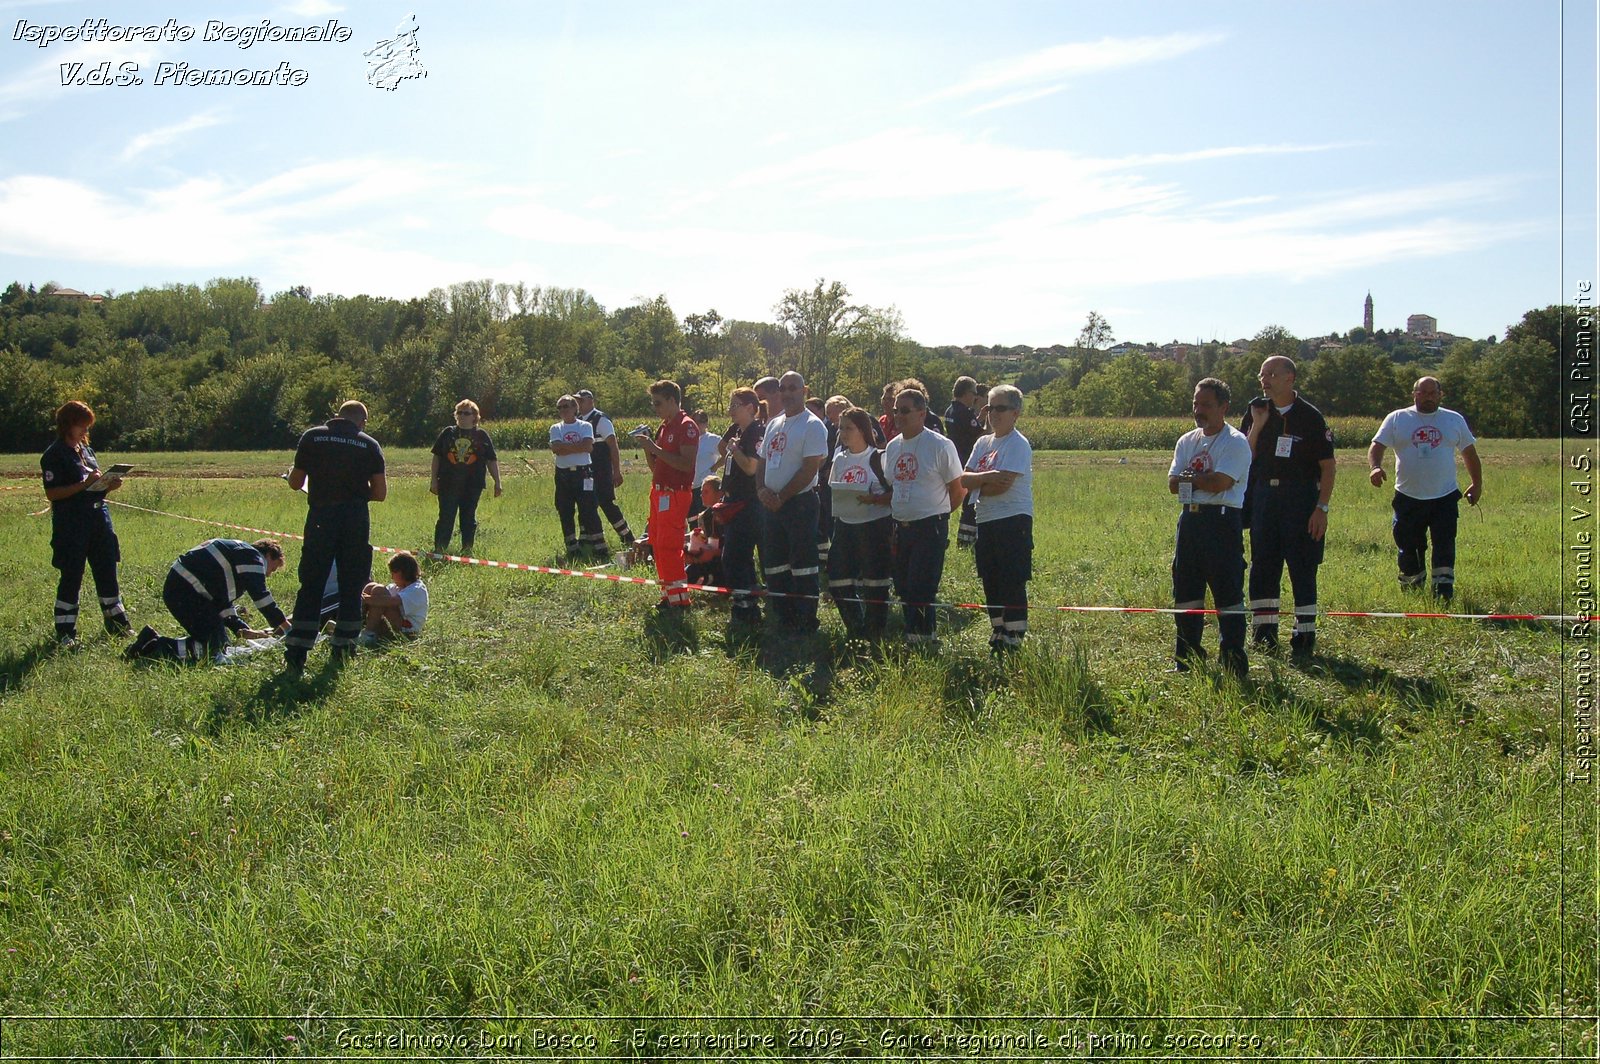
x=141 y=644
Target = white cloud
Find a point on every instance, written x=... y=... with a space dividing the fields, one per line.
x=534 y=220
x=281 y=226
x=159 y=138
x=311 y=9
x=33 y=86
x=1063 y=61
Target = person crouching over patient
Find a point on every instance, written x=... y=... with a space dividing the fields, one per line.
x=396 y=611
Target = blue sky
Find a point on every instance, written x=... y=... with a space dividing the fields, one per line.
x=1191 y=170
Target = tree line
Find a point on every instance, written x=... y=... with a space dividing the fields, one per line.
x=224 y=366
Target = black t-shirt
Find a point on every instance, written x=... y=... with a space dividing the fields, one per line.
x=827 y=462
x=965 y=428
x=340 y=460
x=1309 y=442
x=738 y=484
x=464 y=459
x=62 y=466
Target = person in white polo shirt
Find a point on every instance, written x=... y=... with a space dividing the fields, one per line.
x=1425 y=437
x=999 y=480
x=572 y=442
x=1210 y=471
x=926 y=474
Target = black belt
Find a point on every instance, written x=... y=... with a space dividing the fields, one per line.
x=1280 y=482
x=922 y=520
x=1199 y=507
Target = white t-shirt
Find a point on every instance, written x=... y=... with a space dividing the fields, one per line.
x=705 y=457
x=921 y=469
x=853 y=481
x=787 y=443
x=577 y=432
x=413 y=606
x=1425 y=447
x=1226 y=452
x=1011 y=453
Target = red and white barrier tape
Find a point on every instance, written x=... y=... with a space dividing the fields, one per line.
x=716 y=590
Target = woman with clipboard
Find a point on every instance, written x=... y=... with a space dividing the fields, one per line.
x=81 y=532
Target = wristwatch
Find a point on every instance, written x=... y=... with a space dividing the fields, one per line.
x=1322 y=506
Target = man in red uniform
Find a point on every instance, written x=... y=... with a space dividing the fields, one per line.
x=671 y=456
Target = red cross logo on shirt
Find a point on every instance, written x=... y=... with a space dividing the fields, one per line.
x=779 y=442
x=1428 y=435
x=905 y=468
x=855 y=475
x=986 y=463
x=1201 y=463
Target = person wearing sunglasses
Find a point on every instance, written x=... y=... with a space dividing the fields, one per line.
x=999 y=480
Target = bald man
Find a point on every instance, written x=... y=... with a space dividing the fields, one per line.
x=346 y=472
x=1291 y=481
x=1425 y=438
x=792 y=450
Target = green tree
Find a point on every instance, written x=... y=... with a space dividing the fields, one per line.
x=1096 y=332
x=1351 y=381
x=1133 y=385
x=818 y=318
x=652 y=340
x=1274 y=340
x=29 y=393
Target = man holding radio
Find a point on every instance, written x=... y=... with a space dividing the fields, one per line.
x=1291 y=481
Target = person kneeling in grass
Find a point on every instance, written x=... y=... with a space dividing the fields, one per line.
x=396 y=611
x=200 y=591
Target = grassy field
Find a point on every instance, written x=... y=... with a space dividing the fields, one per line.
x=548 y=827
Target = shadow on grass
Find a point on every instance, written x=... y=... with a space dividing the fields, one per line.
x=1357 y=675
x=805 y=662
x=277 y=697
x=17 y=664
x=668 y=633
x=1058 y=681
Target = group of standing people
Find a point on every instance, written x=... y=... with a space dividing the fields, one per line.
x=867 y=500
x=1274 y=475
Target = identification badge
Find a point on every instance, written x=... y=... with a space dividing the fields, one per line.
x=588 y=483
x=1185 y=492
x=1285 y=443
x=664 y=504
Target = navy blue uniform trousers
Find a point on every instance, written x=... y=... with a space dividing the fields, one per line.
x=1209 y=554
x=1415 y=520
x=789 y=556
x=1278 y=537
x=336 y=533
x=919 y=548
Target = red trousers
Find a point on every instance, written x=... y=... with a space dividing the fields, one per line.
x=669 y=519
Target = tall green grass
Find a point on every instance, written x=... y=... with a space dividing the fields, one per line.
x=548 y=806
